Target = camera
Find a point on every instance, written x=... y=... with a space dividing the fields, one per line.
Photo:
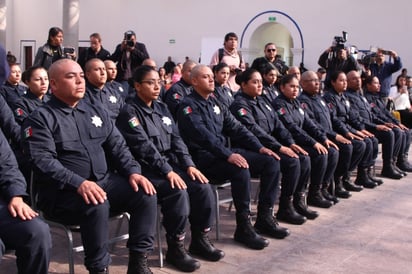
x=128 y=38
x=68 y=50
x=340 y=41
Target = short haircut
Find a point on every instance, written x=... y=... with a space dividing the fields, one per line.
x=96 y=35
x=230 y=35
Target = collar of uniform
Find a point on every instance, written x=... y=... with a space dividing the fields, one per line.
x=66 y=108
x=142 y=105
x=30 y=95
x=246 y=96
x=199 y=98
x=95 y=89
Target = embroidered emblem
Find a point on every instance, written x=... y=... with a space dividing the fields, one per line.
x=166 y=120
x=133 y=122
x=97 y=121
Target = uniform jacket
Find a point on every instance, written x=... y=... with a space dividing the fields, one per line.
x=261 y=119
x=108 y=98
x=303 y=129
x=153 y=136
x=205 y=126
x=27 y=104
x=70 y=145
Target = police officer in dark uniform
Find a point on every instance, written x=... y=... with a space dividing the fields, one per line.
x=222 y=91
x=37 y=80
x=97 y=92
x=378 y=108
x=270 y=90
x=180 y=89
x=391 y=140
x=260 y=118
x=67 y=140
x=154 y=140
x=20 y=228
x=340 y=105
x=322 y=151
x=316 y=108
x=205 y=126
x=12 y=90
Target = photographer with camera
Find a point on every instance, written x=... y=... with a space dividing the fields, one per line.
x=53 y=50
x=384 y=70
x=336 y=58
x=129 y=55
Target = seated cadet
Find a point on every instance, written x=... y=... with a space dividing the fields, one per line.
x=205 y=126
x=322 y=151
x=37 y=80
x=154 y=140
x=392 y=140
x=270 y=90
x=259 y=117
x=12 y=90
x=111 y=83
x=340 y=105
x=222 y=91
x=20 y=228
x=350 y=152
x=180 y=89
x=378 y=107
x=68 y=141
x=97 y=92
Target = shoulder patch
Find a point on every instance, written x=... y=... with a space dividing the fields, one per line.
x=303 y=105
x=19 y=112
x=281 y=111
x=187 y=110
x=133 y=122
x=330 y=105
x=242 y=112
x=176 y=96
x=28 y=132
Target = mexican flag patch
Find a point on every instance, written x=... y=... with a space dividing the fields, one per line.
x=282 y=111
x=133 y=122
x=19 y=112
x=242 y=112
x=28 y=132
x=187 y=110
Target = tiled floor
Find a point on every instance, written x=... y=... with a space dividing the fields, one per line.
x=368 y=233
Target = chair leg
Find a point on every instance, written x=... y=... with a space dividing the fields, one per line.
x=159 y=236
x=69 y=235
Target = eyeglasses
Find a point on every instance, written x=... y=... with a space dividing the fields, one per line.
x=271 y=50
x=151 y=82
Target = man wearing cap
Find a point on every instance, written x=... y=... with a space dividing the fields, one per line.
x=129 y=55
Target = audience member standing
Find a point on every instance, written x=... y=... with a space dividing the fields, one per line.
x=230 y=55
x=95 y=50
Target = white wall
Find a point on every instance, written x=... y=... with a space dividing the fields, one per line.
x=368 y=22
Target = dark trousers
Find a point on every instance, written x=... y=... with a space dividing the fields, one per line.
x=196 y=202
x=260 y=165
x=371 y=152
x=30 y=239
x=68 y=207
x=295 y=174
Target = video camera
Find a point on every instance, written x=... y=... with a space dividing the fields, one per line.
x=340 y=41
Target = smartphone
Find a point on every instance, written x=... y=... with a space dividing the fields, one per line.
x=386 y=52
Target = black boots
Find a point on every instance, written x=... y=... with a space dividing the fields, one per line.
x=202 y=247
x=403 y=163
x=362 y=179
x=287 y=212
x=373 y=178
x=388 y=171
x=315 y=197
x=177 y=255
x=349 y=186
x=245 y=233
x=301 y=207
x=104 y=271
x=267 y=224
x=138 y=263
x=340 y=191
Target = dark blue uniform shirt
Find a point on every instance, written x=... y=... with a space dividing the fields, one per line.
x=153 y=136
x=27 y=104
x=11 y=93
x=205 y=125
x=175 y=95
x=108 y=98
x=224 y=94
x=261 y=119
x=69 y=145
x=303 y=129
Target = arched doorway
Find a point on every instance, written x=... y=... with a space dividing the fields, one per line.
x=277 y=27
